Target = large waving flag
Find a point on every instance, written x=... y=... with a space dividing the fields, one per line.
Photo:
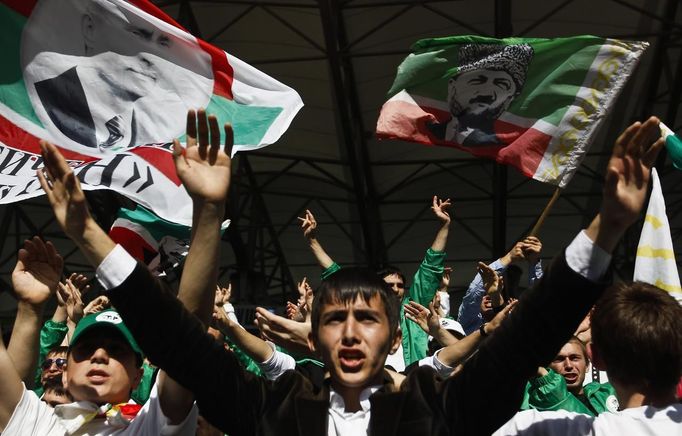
x=655 y=263
x=535 y=104
x=110 y=83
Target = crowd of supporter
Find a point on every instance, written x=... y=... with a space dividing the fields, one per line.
x=359 y=352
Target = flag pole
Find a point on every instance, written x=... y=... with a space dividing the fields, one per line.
x=545 y=212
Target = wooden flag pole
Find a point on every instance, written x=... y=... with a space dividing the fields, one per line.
x=545 y=212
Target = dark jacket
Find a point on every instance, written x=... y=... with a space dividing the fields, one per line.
x=487 y=392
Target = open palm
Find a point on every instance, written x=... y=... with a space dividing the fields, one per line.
x=628 y=172
x=37 y=272
x=203 y=166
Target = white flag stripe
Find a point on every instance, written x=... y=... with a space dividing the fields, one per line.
x=655 y=263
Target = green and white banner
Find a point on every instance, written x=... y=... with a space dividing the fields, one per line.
x=110 y=83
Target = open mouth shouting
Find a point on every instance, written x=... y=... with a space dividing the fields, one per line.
x=351 y=359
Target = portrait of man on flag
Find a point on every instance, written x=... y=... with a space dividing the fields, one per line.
x=115 y=82
x=487 y=80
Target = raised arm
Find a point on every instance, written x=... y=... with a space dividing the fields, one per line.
x=440 y=209
x=34 y=279
x=492 y=283
x=469 y=314
x=548 y=314
x=309 y=228
x=204 y=169
x=426 y=280
x=459 y=351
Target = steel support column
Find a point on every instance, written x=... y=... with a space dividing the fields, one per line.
x=503 y=29
x=351 y=130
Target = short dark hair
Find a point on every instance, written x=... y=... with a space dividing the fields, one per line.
x=636 y=331
x=347 y=284
x=60 y=349
x=389 y=270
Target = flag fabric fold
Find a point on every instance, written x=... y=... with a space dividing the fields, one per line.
x=655 y=263
x=673 y=144
x=161 y=245
x=110 y=82
x=535 y=104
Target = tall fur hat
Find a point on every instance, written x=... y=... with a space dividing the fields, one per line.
x=513 y=59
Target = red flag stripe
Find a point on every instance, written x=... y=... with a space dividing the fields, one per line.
x=223 y=72
x=18 y=138
x=160 y=159
x=24 y=7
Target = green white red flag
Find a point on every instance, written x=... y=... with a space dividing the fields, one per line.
x=535 y=104
x=159 y=244
x=110 y=83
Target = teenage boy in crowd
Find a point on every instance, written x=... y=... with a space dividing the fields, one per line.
x=355 y=326
x=425 y=283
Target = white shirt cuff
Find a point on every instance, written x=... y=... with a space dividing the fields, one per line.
x=277 y=364
x=115 y=268
x=587 y=258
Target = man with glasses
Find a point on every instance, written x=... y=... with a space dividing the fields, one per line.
x=52 y=367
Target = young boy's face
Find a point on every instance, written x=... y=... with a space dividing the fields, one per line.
x=102 y=368
x=354 y=340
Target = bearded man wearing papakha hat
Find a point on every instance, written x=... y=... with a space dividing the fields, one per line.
x=488 y=78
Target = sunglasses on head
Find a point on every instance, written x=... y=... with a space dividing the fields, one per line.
x=60 y=362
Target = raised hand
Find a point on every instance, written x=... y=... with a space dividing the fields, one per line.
x=628 y=172
x=97 y=305
x=627 y=182
x=491 y=280
x=220 y=319
x=308 y=225
x=37 y=272
x=222 y=295
x=284 y=332
x=305 y=299
x=63 y=191
x=80 y=281
x=203 y=166
x=418 y=314
x=293 y=312
x=70 y=297
x=435 y=314
x=439 y=208
x=531 y=247
x=497 y=319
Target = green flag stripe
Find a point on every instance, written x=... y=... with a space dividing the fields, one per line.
x=12 y=88
x=673 y=144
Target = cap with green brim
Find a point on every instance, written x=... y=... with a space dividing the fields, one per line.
x=106 y=319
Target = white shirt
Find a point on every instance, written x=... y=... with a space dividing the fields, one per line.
x=635 y=421
x=442 y=369
x=277 y=364
x=342 y=423
x=34 y=417
x=396 y=360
